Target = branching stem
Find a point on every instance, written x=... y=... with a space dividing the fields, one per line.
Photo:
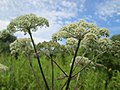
x=71 y=69
x=39 y=63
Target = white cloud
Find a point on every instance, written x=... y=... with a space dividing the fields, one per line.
x=118 y=20
x=3 y=24
x=81 y=5
x=56 y=11
x=45 y=34
x=14 y=8
x=108 y=9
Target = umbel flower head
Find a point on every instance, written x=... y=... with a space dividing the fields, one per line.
x=20 y=45
x=27 y=22
x=89 y=41
x=49 y=48
x=71 y=42
x=104 y=41
x=88 y=33
x=81 y=61
x=79 y=30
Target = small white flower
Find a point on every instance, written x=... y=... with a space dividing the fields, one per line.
x=81 y=61
x=3 y=67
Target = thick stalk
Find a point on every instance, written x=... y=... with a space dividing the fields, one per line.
x=61 y=69
x=39 y=63
x=64 y=85
x=70 y=74
x=76 y=74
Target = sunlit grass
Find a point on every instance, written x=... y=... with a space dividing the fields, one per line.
x=20 y=77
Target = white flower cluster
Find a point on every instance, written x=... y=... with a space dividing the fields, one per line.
x=104 y=32
x=81 y=61
x=14 y=47
x=49 y=48
x=20 y=45
x=88 y=33
x=3 y=68
x=104 y=44
x=89 y=40
x=71 y=42
x=59 y=35
x=27 y=22
x=75 y=30
x=104 y=40
x=90 y=36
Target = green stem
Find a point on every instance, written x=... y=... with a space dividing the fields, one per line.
x=60 y=69
x=39 y=63
x=58 y=66
x=71 y=69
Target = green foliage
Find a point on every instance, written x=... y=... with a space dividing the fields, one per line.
x=112 y=56
x=5 y=39
x=3 y=68
x=5 y=36
x=19 y=76
x=115 y=81
x=116 y=37
x=92 y=80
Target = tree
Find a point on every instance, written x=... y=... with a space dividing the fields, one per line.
x=5 y=39
x=112 y=56
x=115 y=37
x=28 y=23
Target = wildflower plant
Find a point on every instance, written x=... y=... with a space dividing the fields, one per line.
x=80 y=30
x=83 y=33
x=24 y=46
x=81 y=61
x=20 y=46
x=28 y=23
x=51 y=49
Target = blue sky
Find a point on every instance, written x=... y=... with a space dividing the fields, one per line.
x=104 y=13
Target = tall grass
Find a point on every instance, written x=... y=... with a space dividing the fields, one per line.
x=20 y=77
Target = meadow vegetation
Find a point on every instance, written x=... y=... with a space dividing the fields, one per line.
x=89 y=60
